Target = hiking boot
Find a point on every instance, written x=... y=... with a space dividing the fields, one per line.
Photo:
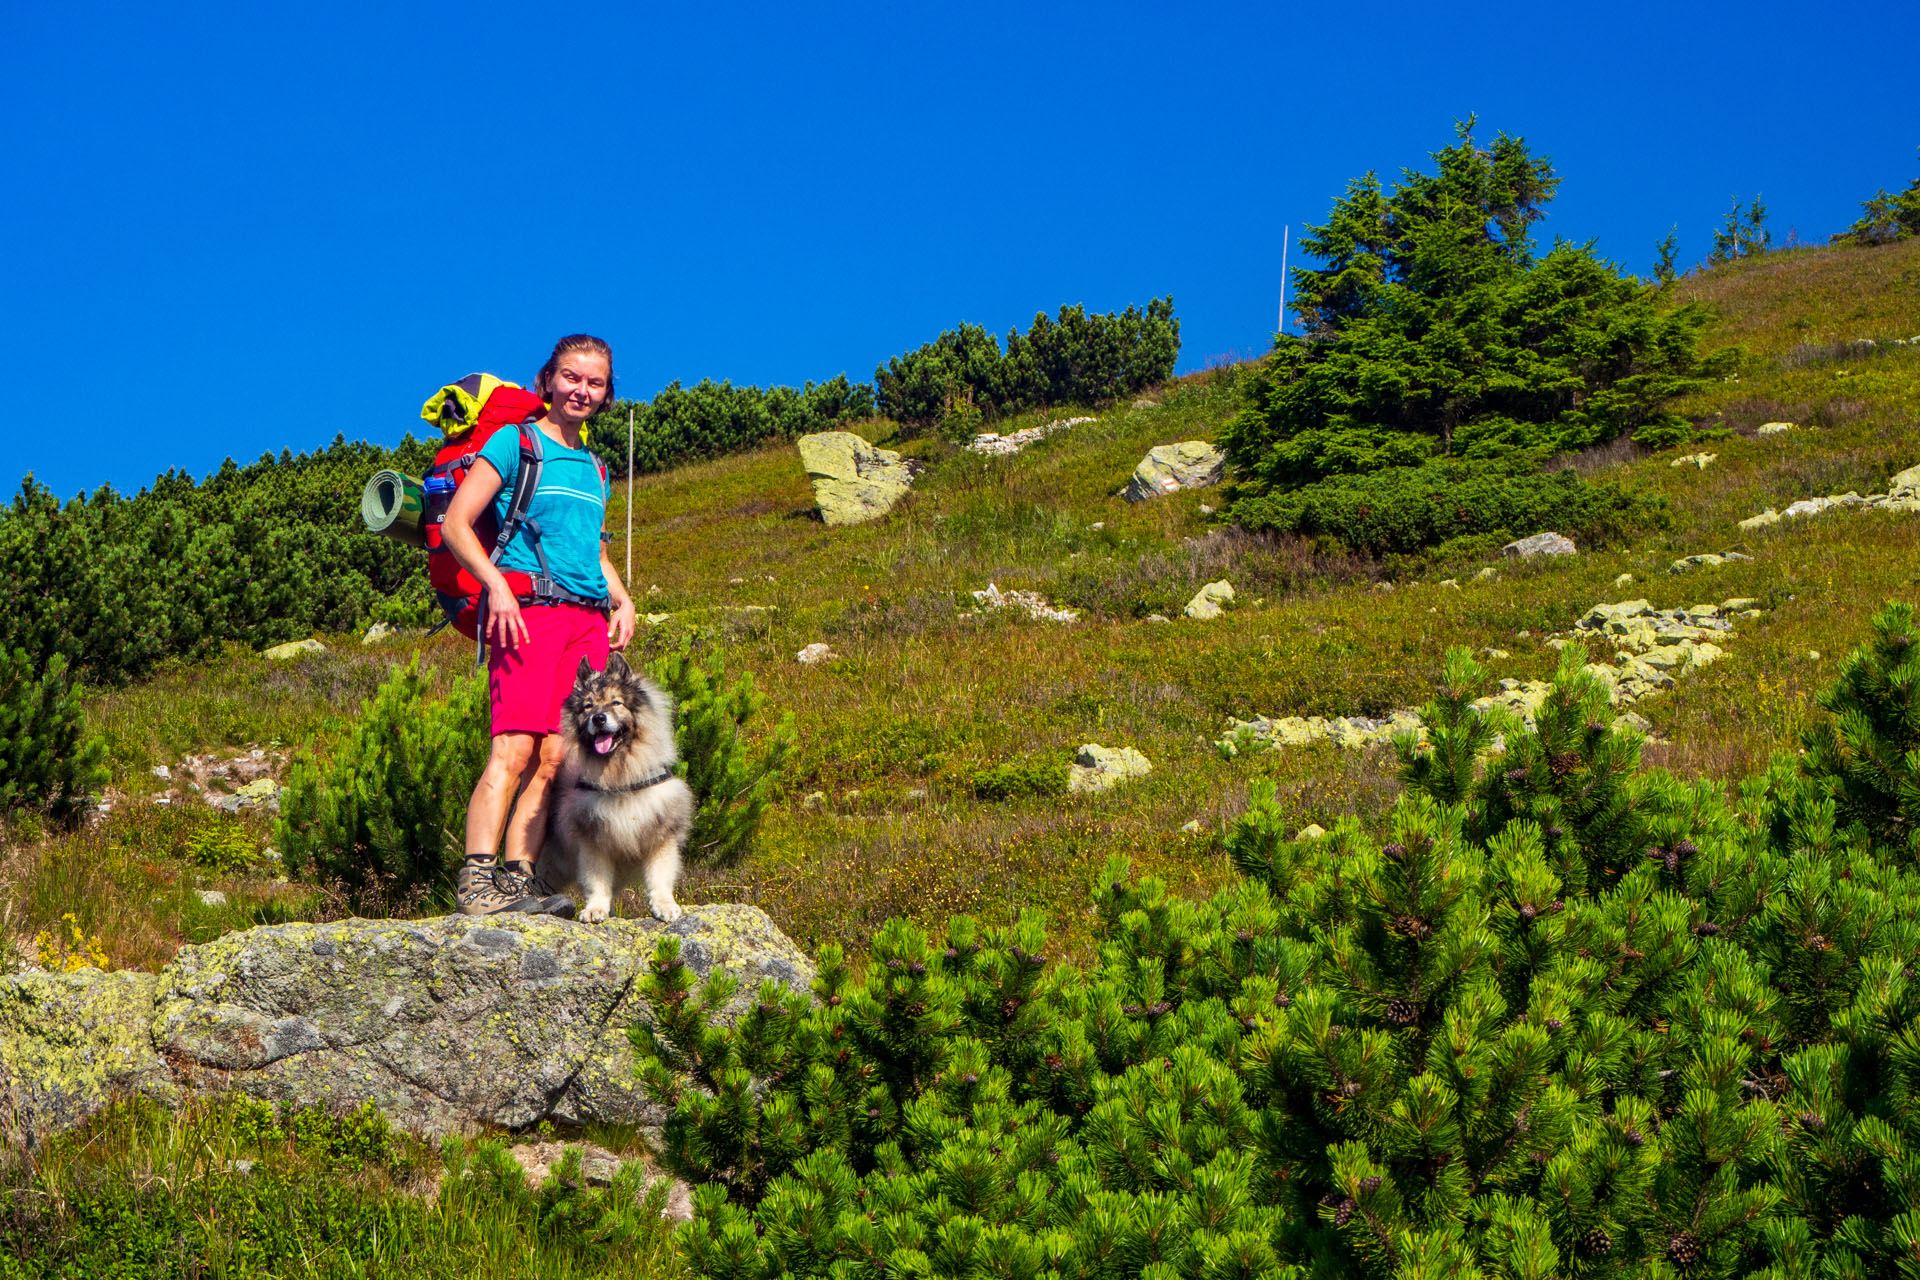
x=512 y=880
x=478 y=893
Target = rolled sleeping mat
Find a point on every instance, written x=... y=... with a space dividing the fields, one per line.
x=394 y=504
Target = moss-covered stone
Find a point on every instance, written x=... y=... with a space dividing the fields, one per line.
x=69 y=1043
x=852 y=480
x=445 y=1024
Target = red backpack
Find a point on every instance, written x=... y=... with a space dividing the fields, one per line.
x=462 y=597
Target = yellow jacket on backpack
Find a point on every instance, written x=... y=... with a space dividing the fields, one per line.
x=456 y=406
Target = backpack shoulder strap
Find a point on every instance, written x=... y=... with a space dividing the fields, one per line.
x=526 y=482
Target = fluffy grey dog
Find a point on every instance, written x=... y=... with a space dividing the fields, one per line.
x=619 y=815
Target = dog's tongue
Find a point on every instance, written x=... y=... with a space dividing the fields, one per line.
x=603 y=743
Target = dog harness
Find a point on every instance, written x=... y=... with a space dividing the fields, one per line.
x=581 y=784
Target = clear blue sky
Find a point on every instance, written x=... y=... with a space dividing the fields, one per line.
x=229 y=229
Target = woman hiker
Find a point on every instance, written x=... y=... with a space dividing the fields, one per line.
x=535 y=642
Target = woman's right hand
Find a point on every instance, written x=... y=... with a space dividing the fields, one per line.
x=505 y=627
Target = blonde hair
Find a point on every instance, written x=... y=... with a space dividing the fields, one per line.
x=543 y=381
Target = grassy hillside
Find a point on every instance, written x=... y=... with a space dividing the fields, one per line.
x=928 y=689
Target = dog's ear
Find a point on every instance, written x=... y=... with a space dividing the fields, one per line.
x=584 y=673
x=617 y=667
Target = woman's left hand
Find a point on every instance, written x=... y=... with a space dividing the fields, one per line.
x=620 y=626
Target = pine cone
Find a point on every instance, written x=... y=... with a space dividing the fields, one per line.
x=1402 y=1011
x=1596 y=1242
x=1633 y=1137
x=1343 y=1214
x=1684 y=1248
x=1412 y=926
x=1370 y=1183
x=1394 y=851
x=1556 y=1025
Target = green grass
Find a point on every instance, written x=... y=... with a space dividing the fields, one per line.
x=236 y=1191
x=928 y=693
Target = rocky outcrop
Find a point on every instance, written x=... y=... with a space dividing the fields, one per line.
x=1098 y=768
x=1540 y=544
x=1651 y=649
x=444 y=1024
x=1706 y=560
x=995 y=444
x=292 y=649
x=70 y=1042
x=852 y=480
x=1031 y=603
x=1210 y=601
x=1903 y=494
x=1169 y=468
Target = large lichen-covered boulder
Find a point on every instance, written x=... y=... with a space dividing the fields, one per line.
x=1168 y=468
x=69 y=1044
x=1210 y=601
x=852 y=480
x=445 y=1025
x=1098 y=768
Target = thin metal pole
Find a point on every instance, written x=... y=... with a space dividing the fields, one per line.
x=629 y=498
x=1286 y=233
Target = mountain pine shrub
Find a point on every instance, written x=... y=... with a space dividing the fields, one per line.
x=732 y=780
x=1433 y=331
x=1563 y=1016
x=385 y=816
x=1073 y=359
x=1866 y=759
x=1403 y=509
x=49 y=763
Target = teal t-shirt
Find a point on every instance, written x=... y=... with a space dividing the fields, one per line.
x=570 y=506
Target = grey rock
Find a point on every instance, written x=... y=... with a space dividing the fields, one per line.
x=852 y=480
x=1098 y=768
x=292 y=649
x=72 y=1042
x=1540 y=544
x=446 y=1025
x=379 y=631
x=1210 y=601
x=1168 y=468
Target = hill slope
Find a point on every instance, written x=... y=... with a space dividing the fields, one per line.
x=928 y=689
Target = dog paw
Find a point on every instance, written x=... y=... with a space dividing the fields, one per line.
x=594 y=913
x=669 y=911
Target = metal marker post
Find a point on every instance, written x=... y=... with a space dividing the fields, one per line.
x=629 y=499
x=1285 y=233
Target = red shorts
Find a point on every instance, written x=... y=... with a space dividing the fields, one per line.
x=527 y=684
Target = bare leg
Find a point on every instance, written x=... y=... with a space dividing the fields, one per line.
x=508 y=763
x=527 y=829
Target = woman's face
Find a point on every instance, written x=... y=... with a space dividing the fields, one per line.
x=579 y=386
